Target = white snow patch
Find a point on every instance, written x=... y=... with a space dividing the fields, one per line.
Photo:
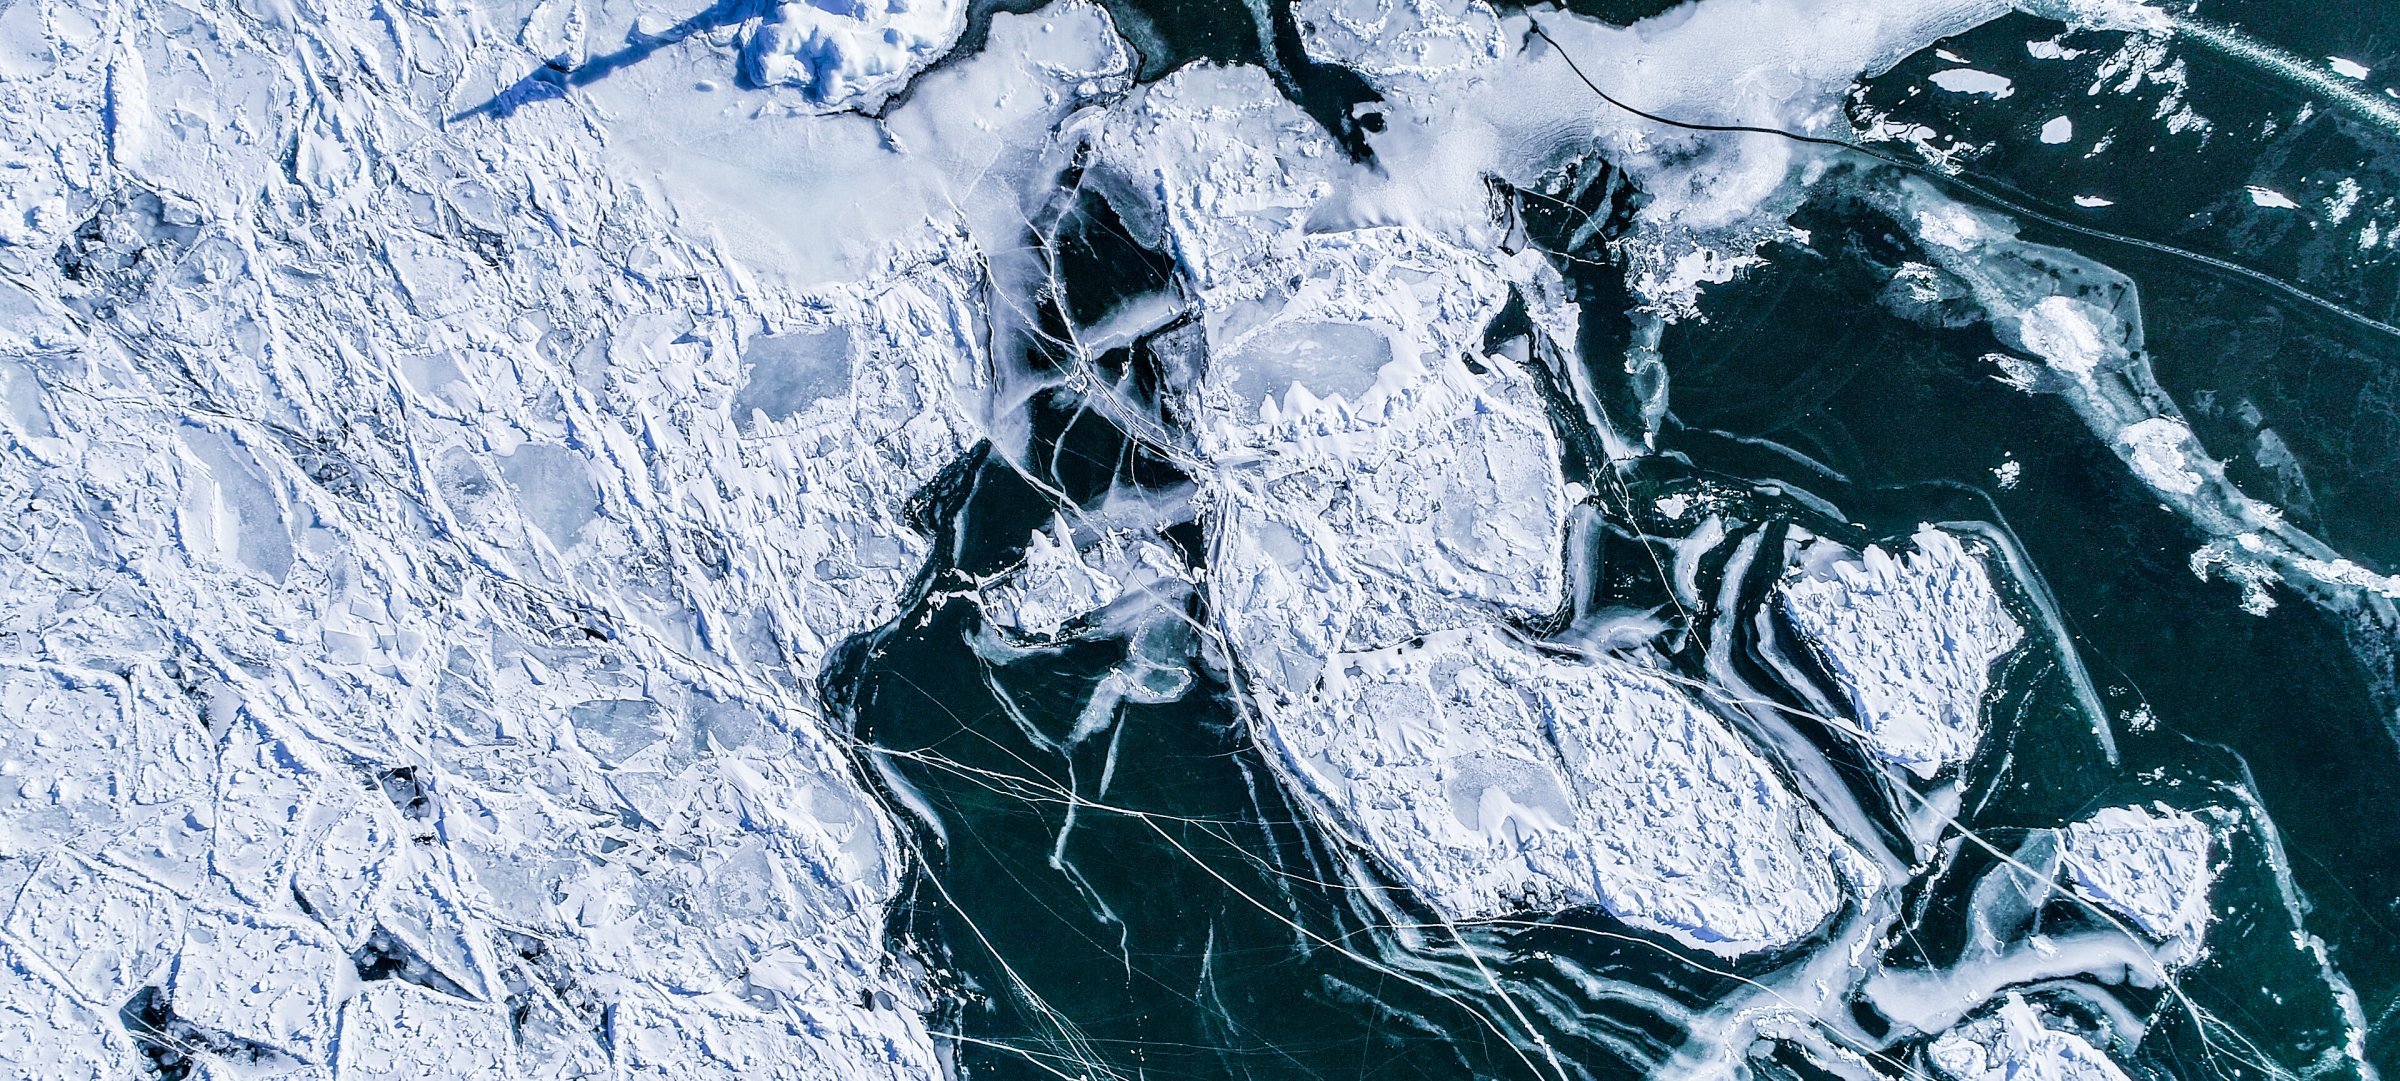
x=843 y=53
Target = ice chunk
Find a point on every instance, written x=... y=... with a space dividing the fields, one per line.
x=1910 y=639
x=2347 y=68
x=844 y=53
x=1402 y=46
x=270 y=983
x=1971 y=81
x=2270 y=198
x=104 y=933
x=47 y=1032
x=1494 y=778
x=2058 y=129
x=1060 y=584
x=2161 y=451
x=2012 y=1044
x=2148 y=865
x=398 y=1031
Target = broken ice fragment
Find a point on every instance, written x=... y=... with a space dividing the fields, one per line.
x=2271 y=199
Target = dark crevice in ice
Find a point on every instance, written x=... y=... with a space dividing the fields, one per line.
x=386 y=956
x=166 y=1042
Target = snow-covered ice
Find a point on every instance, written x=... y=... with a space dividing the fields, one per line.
x=1911 y=640
x=1495 y=778
x=851 y=52
x=2150 y=866
x=2013 y=1044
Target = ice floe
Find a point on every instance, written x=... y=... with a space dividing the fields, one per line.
x=1911 y=640
x=2013 y=1044
x=2150 y=866
x=1496 y=779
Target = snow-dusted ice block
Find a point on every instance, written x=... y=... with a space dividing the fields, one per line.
x=1495 y=778
x=2149 y=865
x=2012 y=1044
x=1405 y=492
x=1386 y=497
x=840 y=53
x=275 y=984
x=1911 y=639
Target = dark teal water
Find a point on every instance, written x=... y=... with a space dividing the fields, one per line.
x=1149 y=903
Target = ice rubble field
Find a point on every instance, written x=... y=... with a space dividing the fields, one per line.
x=438 y=489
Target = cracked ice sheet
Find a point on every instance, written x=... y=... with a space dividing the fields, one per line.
x=2084 y=321
x=1372 y=489
x=398 y=577
x=1910 y=639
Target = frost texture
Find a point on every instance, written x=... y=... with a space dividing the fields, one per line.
x=1911 y=640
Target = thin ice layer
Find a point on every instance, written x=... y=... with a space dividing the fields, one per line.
x=2149 y=865
x=1911 y=639
x=2012 y=1044
x=1496 y=778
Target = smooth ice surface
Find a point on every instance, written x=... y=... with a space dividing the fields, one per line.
x=1910 y=638
x=2149 y=865
x=2012 y=1044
